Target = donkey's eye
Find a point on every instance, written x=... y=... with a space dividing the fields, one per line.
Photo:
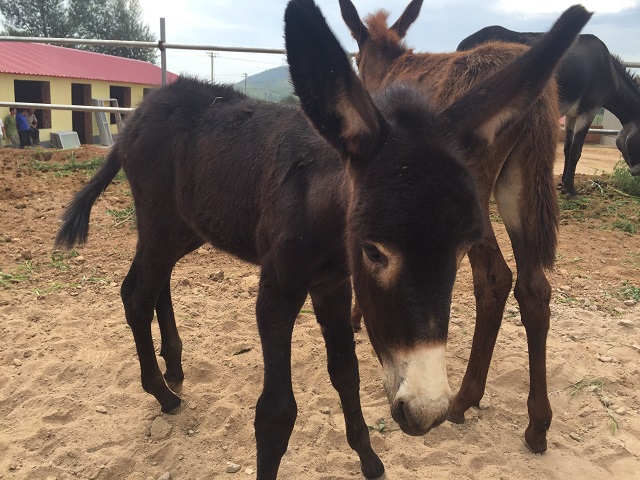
x=372 y=253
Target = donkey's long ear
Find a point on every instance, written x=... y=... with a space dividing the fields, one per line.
x=352 y=19
x=407 y=18
x=331 y=94
x=506 y=95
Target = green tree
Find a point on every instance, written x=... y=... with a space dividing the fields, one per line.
x=111 y=20
x=34 y=18
x=91 y=19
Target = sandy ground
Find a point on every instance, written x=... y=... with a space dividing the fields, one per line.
x=71 y=405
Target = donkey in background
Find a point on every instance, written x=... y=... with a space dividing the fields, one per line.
x=511 y=157
x=373 y=186
x=589 y=78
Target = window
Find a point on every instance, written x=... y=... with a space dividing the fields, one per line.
x=30 y=91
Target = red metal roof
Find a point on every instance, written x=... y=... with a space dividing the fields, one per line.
x=53 y=61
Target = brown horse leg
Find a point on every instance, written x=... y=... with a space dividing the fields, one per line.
x=533 y=293
x=276 y=410
x=139 y=292
x=492 y=281
x=331 y=303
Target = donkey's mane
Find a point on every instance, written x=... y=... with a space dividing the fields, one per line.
x=626 y=73
x=380 y=33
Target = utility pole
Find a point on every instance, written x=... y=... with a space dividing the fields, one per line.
x=245 y=83
x=212 y=55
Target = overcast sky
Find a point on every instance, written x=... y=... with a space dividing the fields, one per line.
x=439 y=28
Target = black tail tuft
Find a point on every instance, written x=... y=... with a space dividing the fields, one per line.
x=75 y=220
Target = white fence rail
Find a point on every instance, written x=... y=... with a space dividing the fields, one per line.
x=162 y=45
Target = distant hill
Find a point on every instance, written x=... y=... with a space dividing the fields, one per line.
x=271 y=84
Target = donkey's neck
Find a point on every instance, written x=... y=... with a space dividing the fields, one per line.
x=625 y=102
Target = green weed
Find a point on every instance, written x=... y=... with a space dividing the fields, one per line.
x=626 y=226
x=630 y=292
x=583 y=384
x=380 y=426
x=624 y=181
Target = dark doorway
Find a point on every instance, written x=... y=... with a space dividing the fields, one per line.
x=81 y=121
x=30 y=91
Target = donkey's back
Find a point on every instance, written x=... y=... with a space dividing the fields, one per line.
x=201 y=161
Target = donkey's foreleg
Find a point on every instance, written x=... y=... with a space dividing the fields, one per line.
x=331 y=304
x=276 y=410
x=492 y=281
x=573 y=149
x=533 y=293
x=139 y=292
x=171 y=348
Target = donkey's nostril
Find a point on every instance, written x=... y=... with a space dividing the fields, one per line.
x=399 y=414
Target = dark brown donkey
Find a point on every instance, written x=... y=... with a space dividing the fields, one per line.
x=511 y=157
x=385 y=191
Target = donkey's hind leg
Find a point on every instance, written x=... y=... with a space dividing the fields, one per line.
x=529 y=211
x=145 y=287
x=331 y=303
x=492 y=281
x=171 y=346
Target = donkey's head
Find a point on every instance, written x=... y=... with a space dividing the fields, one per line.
x=628 y=142
x=413 y=211
x=379 y=45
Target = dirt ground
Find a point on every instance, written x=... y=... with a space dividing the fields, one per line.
x=71 y=405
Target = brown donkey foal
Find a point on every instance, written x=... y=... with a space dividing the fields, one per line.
x=511 y=157
x=375 y=184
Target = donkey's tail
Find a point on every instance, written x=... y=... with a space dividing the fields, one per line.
x=75 y=220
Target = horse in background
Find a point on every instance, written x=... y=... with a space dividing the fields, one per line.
x=589 y=78
x=514 y=162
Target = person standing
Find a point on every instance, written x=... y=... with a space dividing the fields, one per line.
x=24 y=130
x=11 y=127
x=33 y=127
x=2 y=133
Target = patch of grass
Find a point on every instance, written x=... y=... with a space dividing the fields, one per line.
x=634 y=259
x=577 y=387
x=626 y=226
x=71 y=165
x=567 y=299
x=8 y=278
x=624 y=181
x=630 y=292
x=496 y=218
x=577 y=203
x=58 y=260
x=123 y=215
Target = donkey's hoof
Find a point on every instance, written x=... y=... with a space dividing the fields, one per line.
x=456 y=417
x=174 y=385
x=373 y=468
x=172 y=406
x=570 y=192
x=536 y=443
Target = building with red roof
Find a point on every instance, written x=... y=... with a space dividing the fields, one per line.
x=40 y=73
